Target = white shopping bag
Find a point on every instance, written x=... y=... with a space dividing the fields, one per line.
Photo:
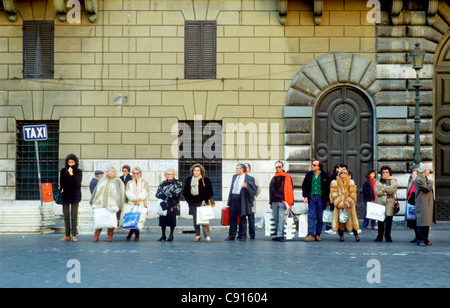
x=206 y=212
x=375 y=211
x=300 y=208
x=289 y=228
x=269 y=224
x=159 y=210
x=327 y=216
x=200 y=220
x=302 y=225
x=104 y=218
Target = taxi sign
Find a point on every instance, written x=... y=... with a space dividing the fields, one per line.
x=35 y=132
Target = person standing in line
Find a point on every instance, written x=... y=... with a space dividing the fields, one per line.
x=125 y=177
x=198 y=189
x=425 y=211
x=334 y=176
x=251 y=216
x=98 y=174
x=343 y=196
x=240 y=201
x=169 y=191
x=110 y=194
x=411 y=199
x=70 y=184
x=386 y=189
x=281 y=196
x=316 y=191
x=369 y=195
x=136 y=192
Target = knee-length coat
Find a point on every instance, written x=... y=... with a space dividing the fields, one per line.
x=343 y=193
x=425 y=211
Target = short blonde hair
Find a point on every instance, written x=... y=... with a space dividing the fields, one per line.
x=170 y=169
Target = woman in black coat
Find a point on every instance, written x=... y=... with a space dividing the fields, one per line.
x=369 y=195
x=198 y=189
x=70 y=184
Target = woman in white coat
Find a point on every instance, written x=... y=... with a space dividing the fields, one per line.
x=136 y=193
x=108 y=193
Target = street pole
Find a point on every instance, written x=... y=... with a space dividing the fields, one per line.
x=417 y=156
x=38 y=171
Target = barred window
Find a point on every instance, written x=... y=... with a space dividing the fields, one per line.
x=27 y=183
x=201 y=142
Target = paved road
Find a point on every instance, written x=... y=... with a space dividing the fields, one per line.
x=42 y=261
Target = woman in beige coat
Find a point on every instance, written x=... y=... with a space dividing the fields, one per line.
x=136 y=193
x=108 y=193
x=386 y=189
x=343 y=196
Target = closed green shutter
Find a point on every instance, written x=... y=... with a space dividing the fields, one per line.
x=200 y=49
x=38 y=51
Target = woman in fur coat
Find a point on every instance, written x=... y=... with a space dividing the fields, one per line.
x=108 y=193
x=136 y=192
x=343 y=196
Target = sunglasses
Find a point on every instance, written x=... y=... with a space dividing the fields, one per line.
x=136 y=173
x=278 y=167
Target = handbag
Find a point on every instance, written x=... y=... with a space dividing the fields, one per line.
x=375 y=211
x=104 y=218
x=289 y=226
x=57 y=196
x=131 y=220
x=206 y=212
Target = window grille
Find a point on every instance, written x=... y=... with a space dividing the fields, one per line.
x=213 y=166
x=27 y=184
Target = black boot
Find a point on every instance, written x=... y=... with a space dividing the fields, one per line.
x=170 y=239
x=163 y=236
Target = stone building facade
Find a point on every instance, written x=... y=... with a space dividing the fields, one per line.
x=292 y=80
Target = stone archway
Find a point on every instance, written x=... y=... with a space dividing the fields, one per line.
x=308 y=86
x=442 y=124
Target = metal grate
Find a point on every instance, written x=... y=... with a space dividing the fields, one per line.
x=27 y=185
x=213 y=166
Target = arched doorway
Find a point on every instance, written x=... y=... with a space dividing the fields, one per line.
x=343 y=132
x=442 y=124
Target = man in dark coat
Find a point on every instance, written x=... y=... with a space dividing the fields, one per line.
x=240 y=200
x=97 y=176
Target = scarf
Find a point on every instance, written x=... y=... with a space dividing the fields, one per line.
x=373 y=187
x=194 y=185
x=288 y=191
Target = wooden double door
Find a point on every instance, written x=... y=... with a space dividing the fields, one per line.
x=344 y=132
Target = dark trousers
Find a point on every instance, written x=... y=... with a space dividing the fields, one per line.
x=384 y=228
x=422 y=234
x=70 y=211
x=243 y=226
x=235 y=209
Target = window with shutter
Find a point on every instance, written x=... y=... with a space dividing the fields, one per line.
x=38 y=51
x=200 y=49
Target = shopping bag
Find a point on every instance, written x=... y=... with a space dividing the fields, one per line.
x=300 y=208
x=269 y=224
x=302 y=225
x=410 y=214
x=343 y=216
x=127 y=208
x=327 y=215
x=206 y=212
x=159 y=209
x=375 y=211
x=131 y=220
x=289 y=227
x=199 y=220
x=104 y=218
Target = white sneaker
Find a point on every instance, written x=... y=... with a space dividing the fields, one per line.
x=330 y=232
